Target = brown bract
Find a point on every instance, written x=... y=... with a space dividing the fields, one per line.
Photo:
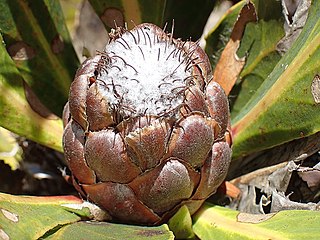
x=142 y=168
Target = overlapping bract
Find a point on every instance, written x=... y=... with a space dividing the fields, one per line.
x=141 y=168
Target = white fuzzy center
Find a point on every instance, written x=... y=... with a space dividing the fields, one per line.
x=144 y=75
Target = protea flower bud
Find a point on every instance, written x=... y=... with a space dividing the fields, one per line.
x=146 y=127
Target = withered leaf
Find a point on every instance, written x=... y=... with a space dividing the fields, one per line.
x=230 y=65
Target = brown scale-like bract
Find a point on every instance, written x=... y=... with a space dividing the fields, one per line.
x=147 y=129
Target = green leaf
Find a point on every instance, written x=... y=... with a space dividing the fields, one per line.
x=220 y=33
x=283 y=108
x=224 y=223
x=260 y=50
x=181 y=224
x=23 y=217
x=37 y=39
x=103 y=230
x=61 y=217
x=15 y=111
x=10 y=151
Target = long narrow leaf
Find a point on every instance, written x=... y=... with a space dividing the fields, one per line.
x=284 y=107
x=37 y=39
x=23 y=217
x=214 y=222
x=64 y=217
x=15 y=111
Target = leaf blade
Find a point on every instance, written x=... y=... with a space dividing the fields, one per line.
x=41 y=49
x=31 y=217
x=283 y=108
x=103 y=230
x=225 y=223
x=16 y=114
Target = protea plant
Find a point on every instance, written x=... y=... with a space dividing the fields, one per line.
x=147 y=127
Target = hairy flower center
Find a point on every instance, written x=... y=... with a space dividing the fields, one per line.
x=144 y=73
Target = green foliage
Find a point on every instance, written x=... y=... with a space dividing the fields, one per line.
x=103 y=230
x=38 y=41
x=223 y=223
x=15 y=112
x=10 y=151
x=181 y=224
x=32 y=217
x=50 y=218
x=272 y=102
x=220 y=33
x=283 y=107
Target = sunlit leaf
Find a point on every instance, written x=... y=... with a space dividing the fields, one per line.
x=10 y=151
x=31 y=217
x=26 y=217
x=15 y=111
x=69 y=12
x=103 y=230
x=37 y=39
x=224 y=223
x=181 y=224
x=283 y=107
x=260 y=52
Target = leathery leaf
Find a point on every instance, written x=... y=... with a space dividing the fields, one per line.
x=224 y=223
x=15 y=112
x=284 y=107
x=26 y=217
x=38 y=41
x=64 y=217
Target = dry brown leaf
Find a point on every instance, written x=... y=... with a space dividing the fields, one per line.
x=295 y=14
x=230 y=190
x=311 y=176
x=281 y=202
x=20 y=51
x=230 y=65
